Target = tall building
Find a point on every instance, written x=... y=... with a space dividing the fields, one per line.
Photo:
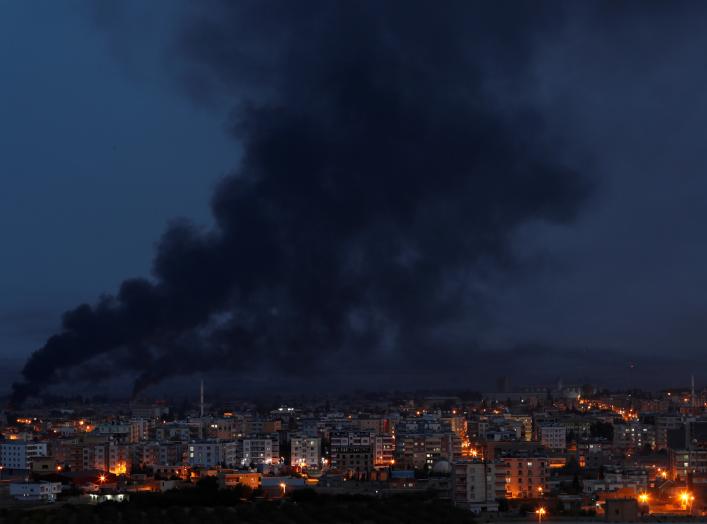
x=159 y=453
x=352 y=452
x=384 y=450
x=683 y=463
x=260 y=449
x=306 y=452
x=526 y=473
x=252 y=450
x=177 y=431
x=553 y=437
x=423 y=441
x=524 y=423
x=664 y=423
x=634 y=436
x=124 y=431
x=205 y=454
x=97 y=453
x=477 y=486
x=17 y=454
x=417 y=451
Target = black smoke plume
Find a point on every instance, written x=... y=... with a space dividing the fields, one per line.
x=381 y=181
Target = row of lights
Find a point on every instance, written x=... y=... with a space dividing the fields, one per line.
x=685 y=497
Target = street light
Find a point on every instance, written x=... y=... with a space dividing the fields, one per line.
x=540 y=512
x=643 y=498
x=687 y=498
x=284 y=488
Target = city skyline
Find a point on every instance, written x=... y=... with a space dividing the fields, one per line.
x=524 y=452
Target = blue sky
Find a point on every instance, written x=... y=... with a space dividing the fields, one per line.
x=100 y=148
x=95 y=159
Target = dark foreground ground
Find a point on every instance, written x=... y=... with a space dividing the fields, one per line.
x=302 y=508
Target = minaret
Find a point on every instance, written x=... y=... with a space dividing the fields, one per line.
x=692 y=391
x=202 y=398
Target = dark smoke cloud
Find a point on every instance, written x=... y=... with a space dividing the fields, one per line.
x=381 y=183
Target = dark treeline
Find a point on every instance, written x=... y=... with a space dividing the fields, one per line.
x=216 y=507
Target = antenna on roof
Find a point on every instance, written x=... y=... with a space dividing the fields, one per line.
x=201 y=403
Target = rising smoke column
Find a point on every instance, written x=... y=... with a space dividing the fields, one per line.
x=380 y=181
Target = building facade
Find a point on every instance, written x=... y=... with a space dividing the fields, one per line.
x=18 y=454
x=306 y=452
x=477 y=486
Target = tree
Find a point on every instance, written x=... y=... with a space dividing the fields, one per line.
x=602 y=430
x=576 y=484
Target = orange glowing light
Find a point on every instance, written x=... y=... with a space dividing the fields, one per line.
x=643 y=498
x=102 y=479
x=121 y=468
x=686 y=498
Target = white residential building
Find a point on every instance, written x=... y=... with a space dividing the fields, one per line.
x=259 y=450
x=17 y=454
x=306 y=452
x=35 y=491
x=206 y=454
x=251 y=451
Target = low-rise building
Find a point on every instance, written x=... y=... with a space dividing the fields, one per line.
x=231 y=479
x=35 y=491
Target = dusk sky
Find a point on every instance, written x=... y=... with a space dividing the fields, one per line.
x=482 y=187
